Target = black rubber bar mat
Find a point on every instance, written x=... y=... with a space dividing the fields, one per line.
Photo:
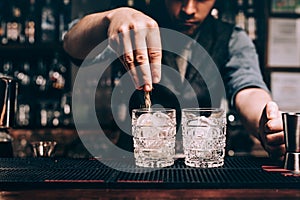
x=237 y=172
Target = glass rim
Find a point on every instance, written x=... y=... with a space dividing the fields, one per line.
x=152 y=109
x=202 y=109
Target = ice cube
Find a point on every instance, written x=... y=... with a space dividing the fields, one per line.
x=145 y=127
x=199 y=121
x=145 y=120
x=161 y=119
x=148 y=132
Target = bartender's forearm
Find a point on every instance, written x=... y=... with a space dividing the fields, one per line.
x=250 y=104
x=86 y=34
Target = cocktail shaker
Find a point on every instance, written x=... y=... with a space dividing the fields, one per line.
x=291 y=127
x=8 y=105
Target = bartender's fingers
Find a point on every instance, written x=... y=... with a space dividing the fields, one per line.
x=274 y=121
x=154 y=51
x=273 y=125
x=272 y=110
x=127 y=52
x=275 y=139
x=114 y=42
x=142 y=59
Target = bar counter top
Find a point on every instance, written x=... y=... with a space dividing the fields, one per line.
x=118 y=194
x=70 y=178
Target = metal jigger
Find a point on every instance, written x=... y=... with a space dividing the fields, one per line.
x=8 y=104
x=43 y=148
x=291 y=127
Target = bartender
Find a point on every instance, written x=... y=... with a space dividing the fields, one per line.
x=136 y=35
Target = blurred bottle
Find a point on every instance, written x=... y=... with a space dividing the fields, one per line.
x=130 y=3
x=57 y=73
x=251 y=20
x=24 y=114
x=23 y=74
x=48 y=22
x=66 y=112
x=64 y=18
x=31 y=23
x=240 y=18
x=7 y=68
x=13 y=28
x=49 y=113
x=14 y=25
x=40 y=77
x=3 y=19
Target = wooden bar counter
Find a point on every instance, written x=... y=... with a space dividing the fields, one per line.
x=115 y=194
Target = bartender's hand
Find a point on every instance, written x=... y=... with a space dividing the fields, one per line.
x=136 y=38
x=271 y=131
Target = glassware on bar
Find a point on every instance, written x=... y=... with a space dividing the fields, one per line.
x=154 y=131
x=204 y=137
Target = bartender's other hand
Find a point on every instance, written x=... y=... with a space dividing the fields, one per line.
x=136 y=38
x=271 y=131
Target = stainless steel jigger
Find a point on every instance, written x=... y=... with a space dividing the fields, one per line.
x=291 y=127
x=8 y=104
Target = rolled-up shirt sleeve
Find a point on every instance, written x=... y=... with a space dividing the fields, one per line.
x=242 y=69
